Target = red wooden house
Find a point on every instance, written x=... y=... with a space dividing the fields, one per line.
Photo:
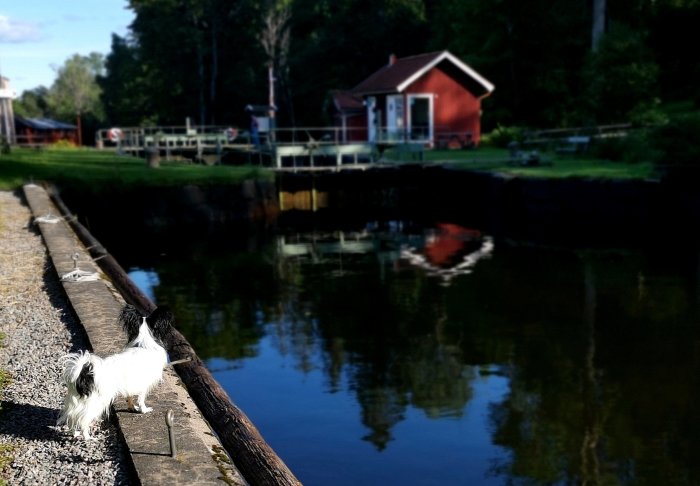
x=432 y=98
x=42 y=131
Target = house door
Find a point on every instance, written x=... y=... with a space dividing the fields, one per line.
x=395 y=117
x=420 y=121
x=371 y=119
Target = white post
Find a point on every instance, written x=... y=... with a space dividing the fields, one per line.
x=271 y=83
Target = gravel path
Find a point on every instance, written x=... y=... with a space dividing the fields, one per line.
x=38 y=331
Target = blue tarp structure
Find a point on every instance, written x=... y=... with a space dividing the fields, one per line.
x=43 y=124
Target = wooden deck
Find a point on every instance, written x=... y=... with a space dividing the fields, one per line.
x=278 y=151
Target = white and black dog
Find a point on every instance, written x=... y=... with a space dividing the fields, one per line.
x=94 y=382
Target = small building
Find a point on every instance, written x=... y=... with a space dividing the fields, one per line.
x=432 y=98
x=7 y=125
x=350 y=114
x=41 y=131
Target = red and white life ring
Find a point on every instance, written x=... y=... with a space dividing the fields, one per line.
x=115 y=134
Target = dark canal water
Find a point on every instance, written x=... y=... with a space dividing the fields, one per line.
x=429 y=352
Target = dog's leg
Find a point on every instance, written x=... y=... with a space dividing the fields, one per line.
x=142 y=404
x=84 y=429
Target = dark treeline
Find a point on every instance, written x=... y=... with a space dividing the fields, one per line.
x=207 y=59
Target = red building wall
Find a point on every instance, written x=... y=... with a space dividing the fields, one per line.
x=455 y=109
x=26 y=135
x=355 y=126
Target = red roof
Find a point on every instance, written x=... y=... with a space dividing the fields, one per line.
x=345 y=101
x=395 y=77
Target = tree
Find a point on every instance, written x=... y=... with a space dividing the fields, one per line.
x=32 y=103
x=598 y=28
x=274 y=38
x=75 y=92
x=335 y=44
x=125 y=86
x=196 y=58
x=621 y=76
x=531 y=50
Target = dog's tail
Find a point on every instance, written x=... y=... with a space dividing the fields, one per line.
x=79 y=371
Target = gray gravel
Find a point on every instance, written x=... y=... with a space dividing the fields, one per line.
x=39 y=328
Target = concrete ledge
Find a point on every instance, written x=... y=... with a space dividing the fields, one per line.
x=200 y=457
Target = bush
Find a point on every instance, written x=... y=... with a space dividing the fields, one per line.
x=632 y=148
x=647 y=113
x=676 y=143
x=501 y=136
x=63 y=144
x=609 y=149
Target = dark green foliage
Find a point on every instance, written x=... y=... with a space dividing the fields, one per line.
x=337 y=44
x=124 y=97
x=620 y=76
x=32 y=103
x=204 y=59
x=677 y=142
x=633 y=148
x=531 y=50
x=501 y=136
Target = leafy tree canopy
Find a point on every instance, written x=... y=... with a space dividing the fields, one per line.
x=205 y=59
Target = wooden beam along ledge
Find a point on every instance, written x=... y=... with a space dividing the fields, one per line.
x=251 y=454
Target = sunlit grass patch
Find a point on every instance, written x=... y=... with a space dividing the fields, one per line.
x=91 y=168
x=6 y=458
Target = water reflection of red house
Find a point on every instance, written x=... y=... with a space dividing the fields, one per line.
x=450 y=251
x=446 y=247
x=36 y=131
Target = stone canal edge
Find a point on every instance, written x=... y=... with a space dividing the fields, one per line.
x=200 y=457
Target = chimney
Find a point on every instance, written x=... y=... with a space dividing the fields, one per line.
x=392 y=59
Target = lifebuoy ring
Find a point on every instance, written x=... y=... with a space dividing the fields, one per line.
x=231 y=134
x=115 y=134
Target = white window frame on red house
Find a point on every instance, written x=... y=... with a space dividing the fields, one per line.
x=426 y=137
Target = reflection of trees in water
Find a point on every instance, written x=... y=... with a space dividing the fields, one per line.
x=603 y=372
x=385 y=332
x=439 y=381
x=382 y=408
x=602 y=398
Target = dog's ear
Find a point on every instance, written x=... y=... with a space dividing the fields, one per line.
x=85 y=383
x=130 y=319
x=160 y=321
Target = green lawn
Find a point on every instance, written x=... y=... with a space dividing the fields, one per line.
x=553 y=165
x=93 y=169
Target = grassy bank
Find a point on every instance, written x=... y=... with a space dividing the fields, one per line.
x=552 y=165
x=6 y=450
x=94 y=169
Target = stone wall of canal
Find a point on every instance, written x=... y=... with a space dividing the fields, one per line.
x=541 y=211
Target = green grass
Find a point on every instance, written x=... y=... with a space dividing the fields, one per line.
x=553 y=165
x=96 y=169
x=6 y=458
x=93 y=170
x=6 y=450
x=4 y=374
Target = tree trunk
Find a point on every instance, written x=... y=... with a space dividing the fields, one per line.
x=598 y=23
x=214 y=71
x=79 y=131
